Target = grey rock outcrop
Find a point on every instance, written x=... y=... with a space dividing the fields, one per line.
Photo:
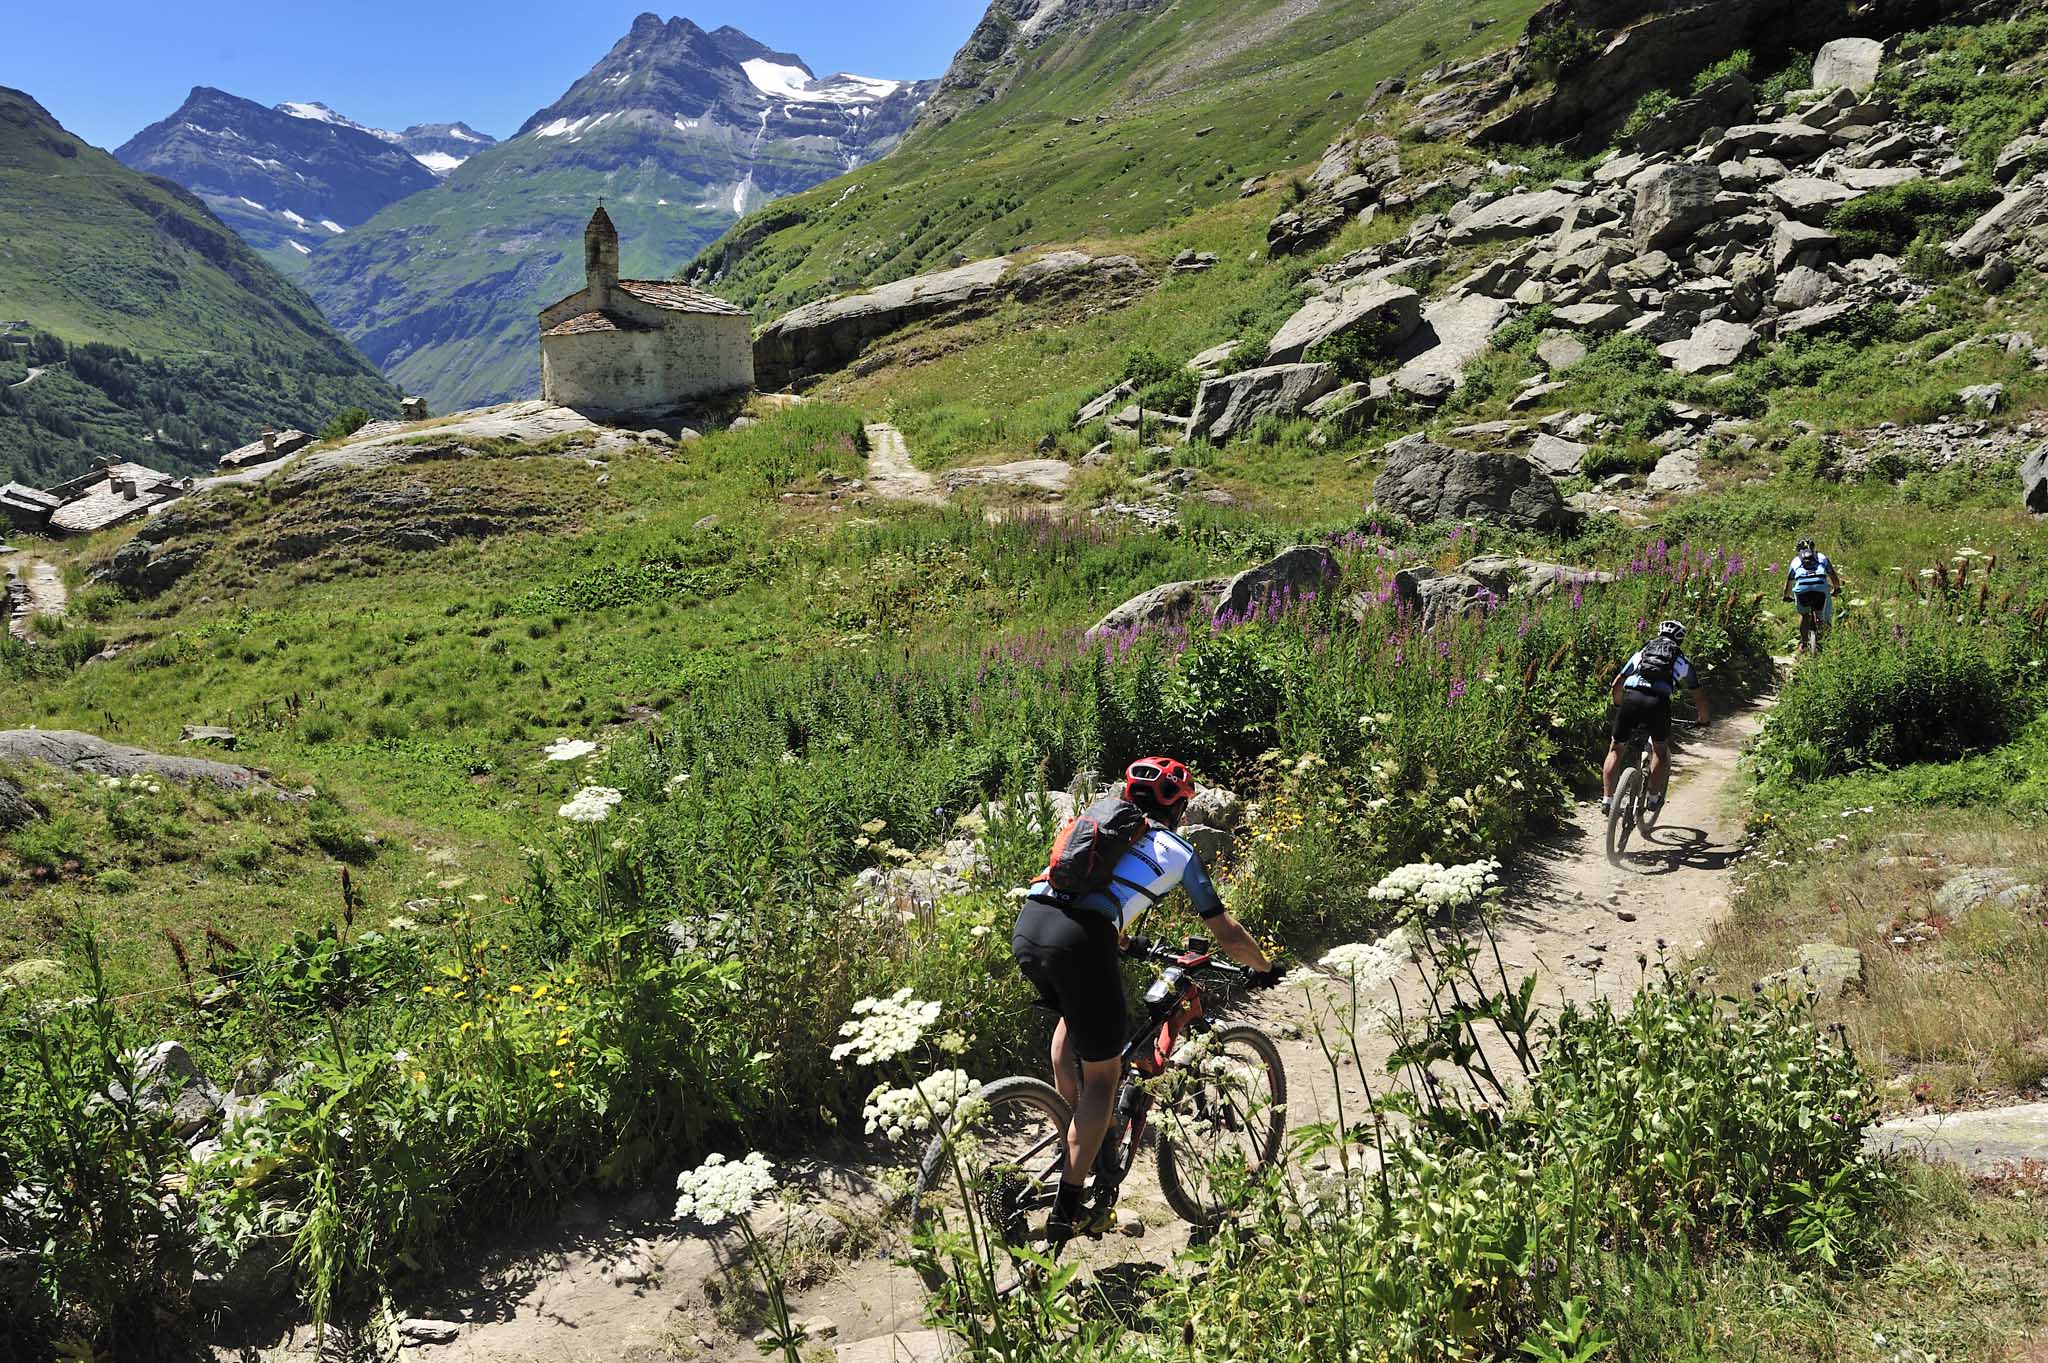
x=824 y=336
x=1850 y=63
x=71 y=751
x=1230 y=405
x=1387 y=314
x=1163 y=604
x=1516 y=216
x=169 y=1084
x=1556 y=456
x=2017 y=228
x=1424 y=482
x=2034 y=482
x=147 y=570
x=1672 y=203
x=1825 y=971
x=1712 y=345
x=1290 y=575
x=1454 y=332
x=1678 y=472
x=1102 y=406
x=15 y=809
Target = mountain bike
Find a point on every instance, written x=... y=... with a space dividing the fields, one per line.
x=1813 y=623
x=1630 y=807
x=1212 y=1096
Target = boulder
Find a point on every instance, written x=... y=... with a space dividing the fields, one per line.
x=1789 y=142
x=1672 y=203
x=1210 y=362
x=1809 y=199
x=1161 y=605
x=1815 y=320
x=15 y=809
x=1215 y=807
x=1558 y=457
x=1598 y=318
x=1211 y=844
x=2017 y=228
x=1982 y=399
x=2018 y=156
x=1228 y=406
x=1345 y=411
x=1849 y=63
x=1996 y=1143
x=1675 y=473
x=1824 y=970
x=1291 y=575
x=1800 y=288
x=2034 y=482
x=1712 y=345
x=1439 y=596
x=1516 y=216
x=1503 y=574
x=1038 y=477
x=1424 y=482
x=1383 y=314
x=1101 y=407
x=1967 y=890
x=70 y=751
x=1559 y=352
x=168 y=1084
x=1721 y=104
x=1795 y=243
x=144 y=570
x=1454 y=332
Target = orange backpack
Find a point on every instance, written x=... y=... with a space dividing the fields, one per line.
x=1085 y=854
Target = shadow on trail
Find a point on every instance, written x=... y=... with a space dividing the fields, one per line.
x=1670 y=848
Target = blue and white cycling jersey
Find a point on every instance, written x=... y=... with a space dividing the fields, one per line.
x=1682 y=674
x=1157 y=864
x=1817 y=576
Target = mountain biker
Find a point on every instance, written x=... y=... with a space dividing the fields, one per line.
x=1811 y=579
x=1642 y=701
x=1067 y=947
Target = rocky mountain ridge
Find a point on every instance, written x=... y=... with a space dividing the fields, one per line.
x=286 y=179
x=996 y=51
x=681 y=131
x=440 y=147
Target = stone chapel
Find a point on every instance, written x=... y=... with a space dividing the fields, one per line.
x=631 y=346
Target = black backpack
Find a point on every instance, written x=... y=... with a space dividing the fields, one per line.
x=1085 y=854
x=1659 y=661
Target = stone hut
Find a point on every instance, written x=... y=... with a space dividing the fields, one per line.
x=622 y=346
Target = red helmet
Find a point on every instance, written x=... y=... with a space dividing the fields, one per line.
x=1163 y=782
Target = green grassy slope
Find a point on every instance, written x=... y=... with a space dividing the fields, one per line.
x=91 y=252
x=1016 y=173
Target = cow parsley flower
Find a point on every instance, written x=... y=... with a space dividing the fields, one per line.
x=883 y=1029
x=896 y=1113
x=1437 y=887
x=593 y=804
x=1365 y=964
x=566 y=749
x=718 y=1190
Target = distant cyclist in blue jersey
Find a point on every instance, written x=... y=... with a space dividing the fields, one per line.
x=1642 y=702
x=1812 y=582
x=1067 y=946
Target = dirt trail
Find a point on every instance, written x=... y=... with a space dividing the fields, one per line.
x=623 y=1284
x=891 y=474
x=46 y=594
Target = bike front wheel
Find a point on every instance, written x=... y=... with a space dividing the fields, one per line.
x=1621 y=812
x=1222 y=1114
x=992 y=1171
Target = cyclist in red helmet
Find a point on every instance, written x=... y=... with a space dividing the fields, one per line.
x=1067 y=946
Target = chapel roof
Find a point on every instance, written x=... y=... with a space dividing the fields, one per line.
x=584 y=323
x=665 y=293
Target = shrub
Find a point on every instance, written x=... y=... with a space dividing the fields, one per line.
x=1559 y=51
x=1894 y=218
x=345 y=423
x=1736 y=63
x=1794 y=75
x=1648 y=110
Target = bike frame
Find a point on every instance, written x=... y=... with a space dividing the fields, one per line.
x=1175 y=1012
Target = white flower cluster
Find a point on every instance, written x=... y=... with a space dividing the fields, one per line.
x=566 y=749
x=718 y=1191
x=142 y=783
x=883 y=1029
x=896 y=1113
x=593 y=804
x=1438 y=887
x=1365 y=964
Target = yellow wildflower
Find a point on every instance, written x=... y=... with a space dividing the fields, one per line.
x=540 y=991
x=517 y=988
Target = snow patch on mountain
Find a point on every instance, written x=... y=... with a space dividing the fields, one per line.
x=440 y=162
x=796 y=85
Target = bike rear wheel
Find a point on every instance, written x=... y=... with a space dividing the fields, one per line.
x=1621 y=811
x=1221 y=1115
x=997 y=1162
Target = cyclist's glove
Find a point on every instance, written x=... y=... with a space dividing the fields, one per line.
x=1265 y=979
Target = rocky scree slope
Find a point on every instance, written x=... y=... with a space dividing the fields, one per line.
x=285 y=180
x=995 y=54
x=679 y=130
x=92 y=252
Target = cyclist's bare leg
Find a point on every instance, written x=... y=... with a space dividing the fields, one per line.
x=1610 y=770
x=1091 y=1116
x=1066 y=1067
x=1660 y=768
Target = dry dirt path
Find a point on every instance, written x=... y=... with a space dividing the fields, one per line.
x=624 y=1284
x=34 y=373
x=46 y=592
x=891 y=474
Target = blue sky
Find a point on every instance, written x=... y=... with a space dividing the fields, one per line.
x=108 y=68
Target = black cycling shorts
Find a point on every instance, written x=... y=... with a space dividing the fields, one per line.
x=1070 y=956
x=1812 y=603
x=1642 y=712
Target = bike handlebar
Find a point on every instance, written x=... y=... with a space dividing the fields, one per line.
x=1189 y=957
